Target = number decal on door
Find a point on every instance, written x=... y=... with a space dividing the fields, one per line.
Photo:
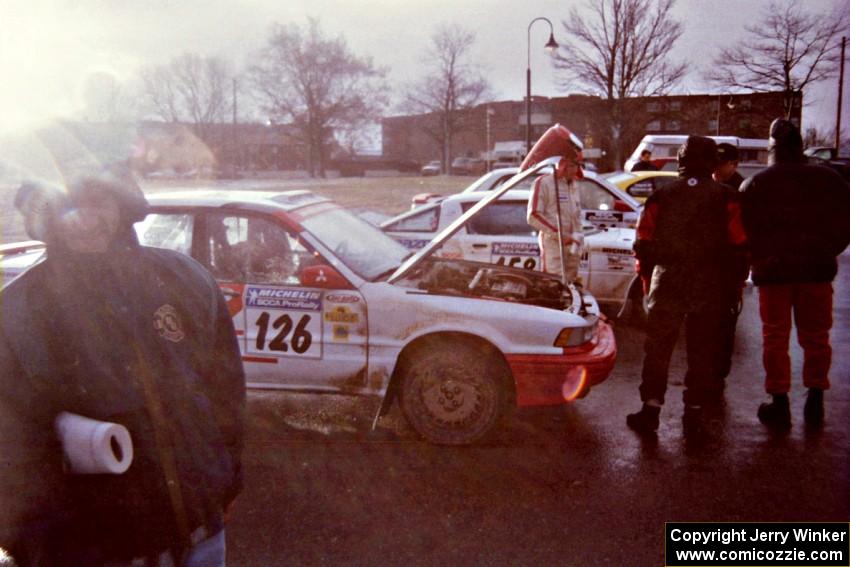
x=286 y=335
x=516 y=254
x=282 y=321
x=517 y=262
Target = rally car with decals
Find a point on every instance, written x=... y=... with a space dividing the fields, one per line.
x=641 y=184
x=324 y=302
x=500 y=234
x=602 y=203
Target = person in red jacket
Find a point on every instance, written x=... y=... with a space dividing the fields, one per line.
x=685 y=236
x=796 y=219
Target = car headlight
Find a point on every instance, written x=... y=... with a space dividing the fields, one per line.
x=575 y=336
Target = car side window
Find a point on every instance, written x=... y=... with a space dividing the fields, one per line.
x=170 y=231
x=665 y=180
x=500 y=219
x=252 y=249
x=642 y=188
x=426 y=220
x=594 y=196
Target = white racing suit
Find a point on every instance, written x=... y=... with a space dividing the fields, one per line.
x=543 y=216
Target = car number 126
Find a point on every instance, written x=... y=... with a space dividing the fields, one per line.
x=284 y=333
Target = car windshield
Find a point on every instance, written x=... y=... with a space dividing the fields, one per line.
x=359 y=245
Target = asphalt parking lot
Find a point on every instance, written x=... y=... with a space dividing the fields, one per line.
x=556 y=486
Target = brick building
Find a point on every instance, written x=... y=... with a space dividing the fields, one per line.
x=743 y=115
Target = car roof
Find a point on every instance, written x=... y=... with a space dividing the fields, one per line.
x=218 y=198
x=592 y=175
x=645 y=174
x=511 y=194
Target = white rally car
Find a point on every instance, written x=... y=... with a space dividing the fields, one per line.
x=603 y=204
x=501 y=235
x=323 y=301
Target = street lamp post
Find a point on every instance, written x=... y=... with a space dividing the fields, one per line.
x=550 y=46
x=730 y=105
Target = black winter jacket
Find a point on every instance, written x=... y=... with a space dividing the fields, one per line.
x=797 y=218
x=687 y=236
x=76 y=332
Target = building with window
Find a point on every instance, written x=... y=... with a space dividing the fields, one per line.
x=744 y=115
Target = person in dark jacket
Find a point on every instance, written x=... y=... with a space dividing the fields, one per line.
x=117 y=332
x=736 y=271
x=726 y=171
x=684 y=237
x=645 y=162
x=796 y=219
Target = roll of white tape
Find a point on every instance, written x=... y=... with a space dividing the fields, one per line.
x=94 y=447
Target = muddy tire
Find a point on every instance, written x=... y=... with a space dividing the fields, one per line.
x=454 y=392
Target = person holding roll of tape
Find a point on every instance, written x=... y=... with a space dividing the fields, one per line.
x=139 y=338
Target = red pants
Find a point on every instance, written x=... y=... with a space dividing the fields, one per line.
x=811 y=304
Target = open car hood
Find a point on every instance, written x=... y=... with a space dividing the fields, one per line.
x=450 y=230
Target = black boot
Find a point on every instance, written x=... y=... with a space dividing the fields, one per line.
x=776 y=414
x=644 y=421
x=813 y=410
x=692 y=420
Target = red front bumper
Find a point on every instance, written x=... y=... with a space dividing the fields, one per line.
x=540 y=378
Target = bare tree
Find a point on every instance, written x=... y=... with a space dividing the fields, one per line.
x=787 y=50
x=452 y=84
x=191 y=88
x=318 y=86
x=823 y=137
x=106 y=99
x=620 y=50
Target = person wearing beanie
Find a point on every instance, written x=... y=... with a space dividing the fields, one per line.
x=737 y=269
x=726 y=171
x=685 y=235
x=117 y=332
x=795 y=217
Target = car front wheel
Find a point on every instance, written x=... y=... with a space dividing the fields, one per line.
x=454 y=393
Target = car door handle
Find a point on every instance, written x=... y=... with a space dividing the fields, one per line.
x=480 y=245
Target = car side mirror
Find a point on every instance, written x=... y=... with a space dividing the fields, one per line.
x=324 y=276
x=621 y=206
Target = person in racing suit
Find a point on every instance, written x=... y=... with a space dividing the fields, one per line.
x=553 y=194
x=684 y=238
x=796 y=219
x=118 y=332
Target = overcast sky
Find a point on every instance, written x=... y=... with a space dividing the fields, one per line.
x=49 y=47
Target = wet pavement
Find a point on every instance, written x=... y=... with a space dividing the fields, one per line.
x=556 y=486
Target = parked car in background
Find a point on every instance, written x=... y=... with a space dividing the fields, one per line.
x=640 y=184
x=467 y=166
x=603 y=204
x=432 y=168
x=324 y=302
x=830 y=157
x=664 y=149
x=501 y=235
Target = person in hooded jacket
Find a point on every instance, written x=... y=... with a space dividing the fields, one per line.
x=685 y=234
x=796 y=219
x=117 y=332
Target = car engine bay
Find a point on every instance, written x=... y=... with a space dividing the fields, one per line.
x=489 y=281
